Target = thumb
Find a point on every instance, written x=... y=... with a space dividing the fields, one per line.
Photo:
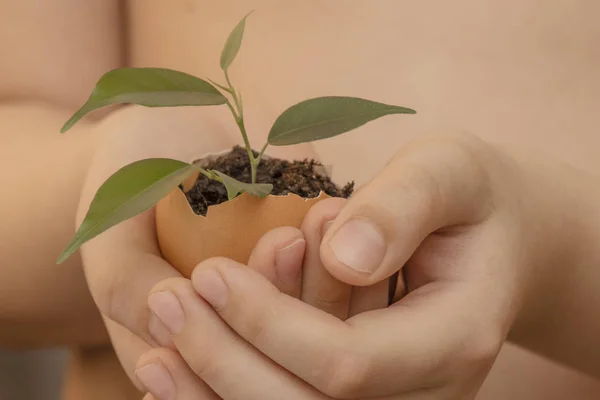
x=430 y=184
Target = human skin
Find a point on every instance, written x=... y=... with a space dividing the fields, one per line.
x=453 y=70
x=474 y=225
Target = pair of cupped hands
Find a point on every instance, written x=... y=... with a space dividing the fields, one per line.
x=308 y=317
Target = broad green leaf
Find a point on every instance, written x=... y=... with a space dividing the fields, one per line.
x=235 y=187
x=130 y=191
x=150 y=87
x=325 y=117
x=233 y=43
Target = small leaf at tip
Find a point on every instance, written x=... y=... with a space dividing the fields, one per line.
x=233 y=43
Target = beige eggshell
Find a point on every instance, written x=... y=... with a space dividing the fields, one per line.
x=230 y=229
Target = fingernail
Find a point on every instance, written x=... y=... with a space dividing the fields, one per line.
x=211 y=287
x=157 y=380
x=359 y=245
x=167 y=308
x=159 y=332
x=288 y=260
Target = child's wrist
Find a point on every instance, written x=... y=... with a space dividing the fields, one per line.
x=564 y=206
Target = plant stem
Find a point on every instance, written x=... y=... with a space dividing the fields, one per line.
x=223 y=87
x=256 y=161
x=238 y=114
x=232 y=109
x=262 y=151
x=236 y=100
x=210 y=174
x=240 y=124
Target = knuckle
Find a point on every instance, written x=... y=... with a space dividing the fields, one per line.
x=482 y=350
x=418 y=185
x=324 y=304
x=478 y=354
x=207 y=363
x=104 y=282
x=443 y=171
x=113 y=296
x=454 y=148
x=104 y=290
x=466 y=153
x=165 y=356
x=431 y=195
x=456 y=140
x=345 y=374
x=254 y=325
x=337 y=308
x=314 y=216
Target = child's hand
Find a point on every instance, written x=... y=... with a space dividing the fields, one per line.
x=124 y=263
x=481 y=236
x=289 y=260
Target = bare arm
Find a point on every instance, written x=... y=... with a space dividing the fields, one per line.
x=54 y=52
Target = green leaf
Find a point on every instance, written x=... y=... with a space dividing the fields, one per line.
x=325 y=117
x=233 y=43
x=150 y=87
x=130 y=191
x=235 y=187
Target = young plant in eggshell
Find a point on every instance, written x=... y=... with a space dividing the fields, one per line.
x=139 y=186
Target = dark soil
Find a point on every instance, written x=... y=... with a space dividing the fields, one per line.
x=298 y=177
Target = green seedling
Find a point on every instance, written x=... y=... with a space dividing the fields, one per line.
x=137 y=187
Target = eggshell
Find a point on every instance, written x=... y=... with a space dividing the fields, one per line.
x=230 y=229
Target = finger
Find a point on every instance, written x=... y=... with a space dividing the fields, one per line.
x=219 y=286
x=278 y=256
x=431 y=184
x=377 y=353
x=368 y=298
x=319 y=288
x=222 y=359
x=166 y=376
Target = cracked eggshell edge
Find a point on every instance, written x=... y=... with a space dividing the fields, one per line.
x=230 y=229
